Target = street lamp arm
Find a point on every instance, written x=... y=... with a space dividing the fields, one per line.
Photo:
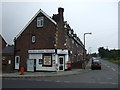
x=87 y=33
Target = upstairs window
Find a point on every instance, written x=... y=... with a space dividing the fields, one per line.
x=33 y=38
x=40 y=21
x=17 y=59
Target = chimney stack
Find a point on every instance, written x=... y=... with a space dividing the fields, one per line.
x=59 y=17
x=60 y=12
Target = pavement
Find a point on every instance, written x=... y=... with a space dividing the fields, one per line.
x=45 y=74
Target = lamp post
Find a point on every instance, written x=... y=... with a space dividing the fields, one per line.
x=84 y=48
x=84 y=37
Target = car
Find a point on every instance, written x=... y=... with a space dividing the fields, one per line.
x=96 y=64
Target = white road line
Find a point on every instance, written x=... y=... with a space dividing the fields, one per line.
x=57 y=81
x=108 y=66
x=107 y=83
x=109 y=78
x=103 y=82
x=47 y=80
x=67 y=82
x=113 y=69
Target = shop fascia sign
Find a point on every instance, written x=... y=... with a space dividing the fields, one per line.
x=41 y=51
x=62 y=51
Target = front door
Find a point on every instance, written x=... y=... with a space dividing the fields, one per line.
x=34 y=64
x=61 y=63
x=30 y=65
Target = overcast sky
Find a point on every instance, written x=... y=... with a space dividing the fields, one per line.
x=98 y=17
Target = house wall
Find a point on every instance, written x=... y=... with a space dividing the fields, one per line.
x=6 y=65
x=2 y=43
x=50 y=36
x=45 y=39
x=77 y=50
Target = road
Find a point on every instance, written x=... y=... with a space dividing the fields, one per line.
x=107 y=77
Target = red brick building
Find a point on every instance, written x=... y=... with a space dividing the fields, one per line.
x=2 y=43
x=48 y=44
x=8 y=59
x=2 y=46
x=7 y=56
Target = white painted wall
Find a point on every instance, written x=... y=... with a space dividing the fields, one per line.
x=39 y=66
x=66 y=60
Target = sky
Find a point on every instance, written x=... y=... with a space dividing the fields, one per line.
x=100 y=17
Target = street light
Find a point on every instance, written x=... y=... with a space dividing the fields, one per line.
x=84 y=37
x=84 y=48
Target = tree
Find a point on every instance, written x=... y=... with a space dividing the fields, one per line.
x=94 y=55
x=111 y=54
x=101 y=51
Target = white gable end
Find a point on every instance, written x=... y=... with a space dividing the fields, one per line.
x=40 y=11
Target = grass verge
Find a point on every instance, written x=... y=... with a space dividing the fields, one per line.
x=112 y=60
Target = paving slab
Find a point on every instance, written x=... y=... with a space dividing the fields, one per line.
x=45 y=74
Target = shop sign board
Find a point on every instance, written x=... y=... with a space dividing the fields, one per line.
x=42 y=51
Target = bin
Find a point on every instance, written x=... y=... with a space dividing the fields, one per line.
x=21 y=70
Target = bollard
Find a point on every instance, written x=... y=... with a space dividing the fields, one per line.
x=22 y=71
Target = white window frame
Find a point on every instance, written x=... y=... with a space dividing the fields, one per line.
x=9 y=61
x=33 y=38
x=17 y=64
x=40 y=21
x=18 y=59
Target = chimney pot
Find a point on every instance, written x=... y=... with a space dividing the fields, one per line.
x=60 y=10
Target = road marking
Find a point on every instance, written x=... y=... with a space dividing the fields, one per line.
x=57 y=81
x=113 y=69
x=67 y=82
x=107 y=83
x=108 y=66
x=109 y=78
x=103 y=82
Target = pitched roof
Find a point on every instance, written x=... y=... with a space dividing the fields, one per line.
x=40 y=11
x=8 y=50
x=2 y=38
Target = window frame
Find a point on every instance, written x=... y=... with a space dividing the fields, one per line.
x=17 y=61
x=47 y=65
x=40 y=61
x=40 y=21
x=33 y=38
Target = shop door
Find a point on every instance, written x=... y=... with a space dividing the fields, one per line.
x=61 y=63
x=30 y=65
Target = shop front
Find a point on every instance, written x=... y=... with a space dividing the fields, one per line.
x=47 y=60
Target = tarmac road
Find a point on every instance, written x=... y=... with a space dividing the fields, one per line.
x=107 y=77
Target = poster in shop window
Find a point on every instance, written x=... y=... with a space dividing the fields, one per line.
x=47 y=60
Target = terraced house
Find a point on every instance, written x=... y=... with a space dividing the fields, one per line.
x=48 y=44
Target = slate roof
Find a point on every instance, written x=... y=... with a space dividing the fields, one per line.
x=1 y=38
x=8 y=50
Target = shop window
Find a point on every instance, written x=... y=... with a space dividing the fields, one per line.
x=47 y=61
x=40 y=61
